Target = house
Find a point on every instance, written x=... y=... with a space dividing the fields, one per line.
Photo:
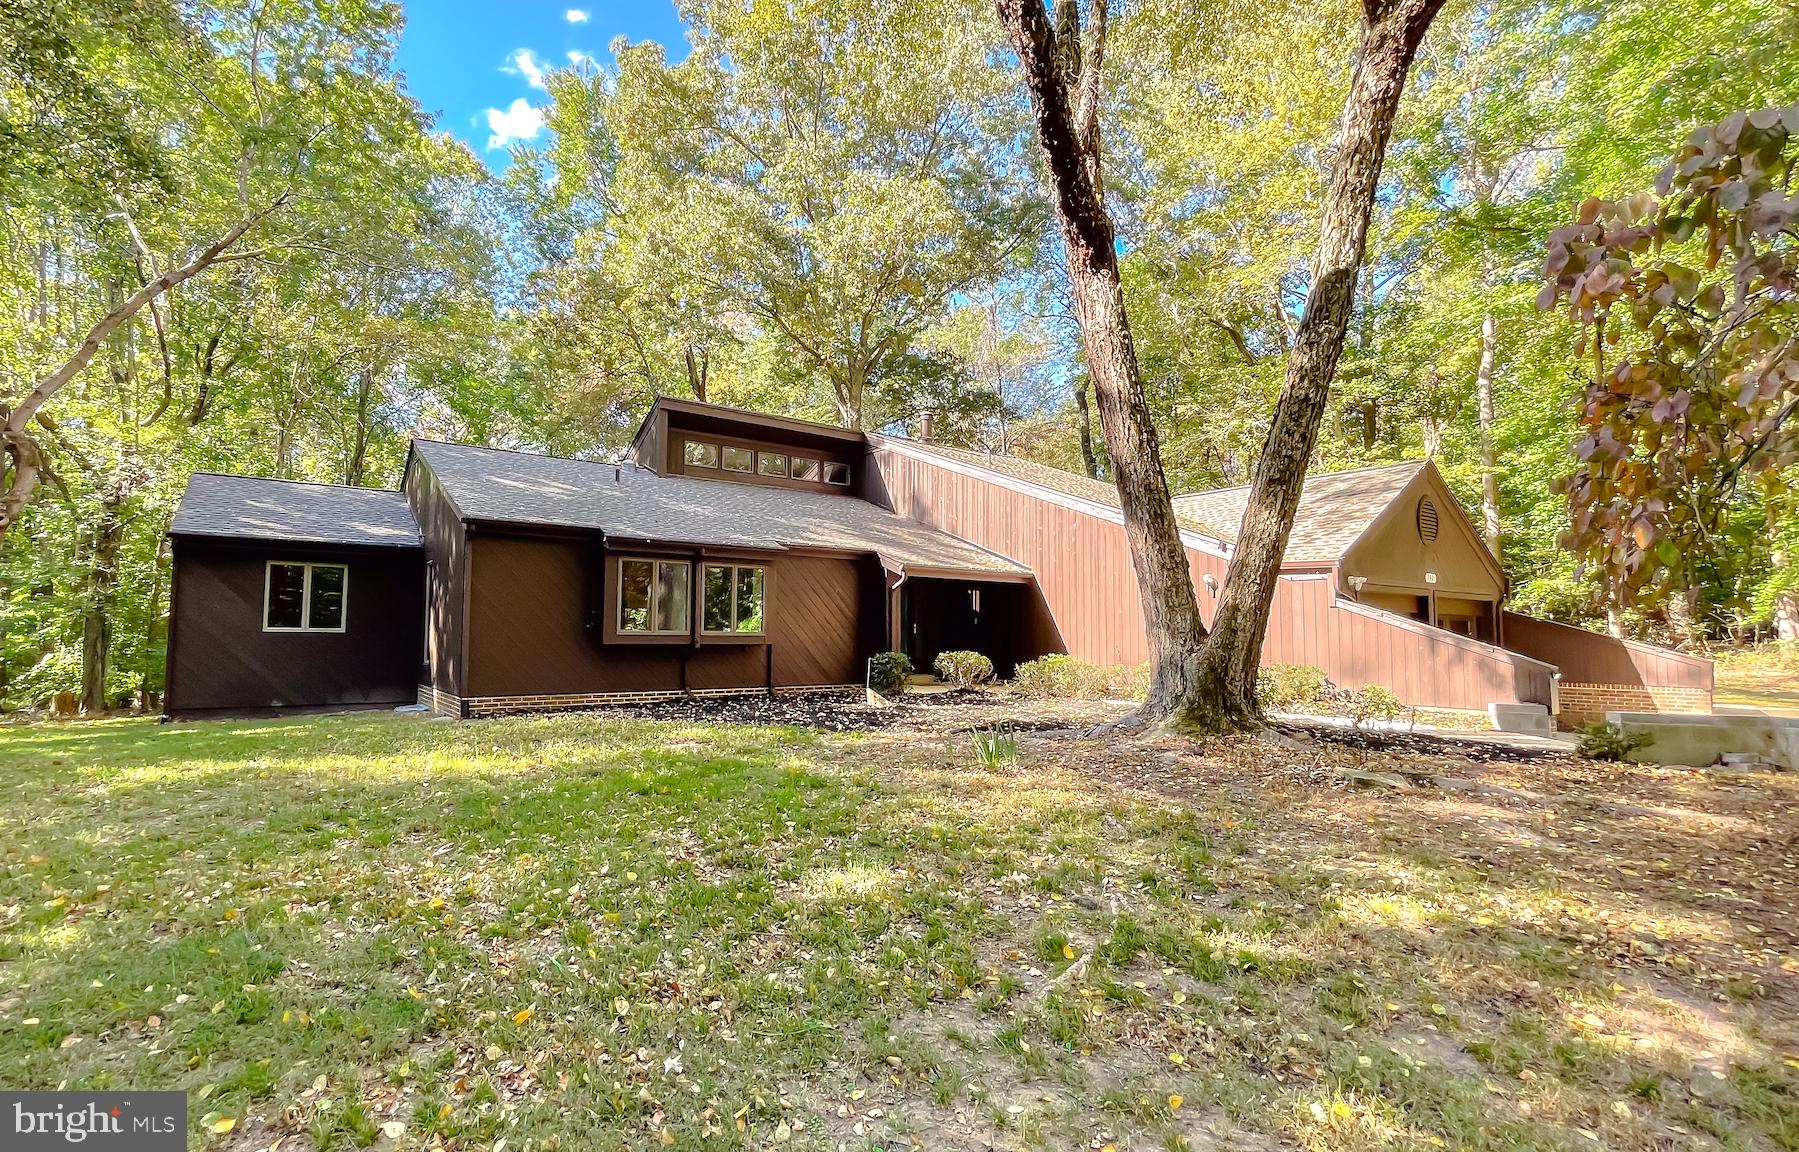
x=736 y=552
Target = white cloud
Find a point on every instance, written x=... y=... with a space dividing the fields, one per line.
x=524 y=63
x=576 y=56
x=519 y=122
x=578 y=15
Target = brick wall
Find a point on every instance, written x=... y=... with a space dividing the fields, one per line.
x=440 y=703
x=1585 y=703
x=444 y=704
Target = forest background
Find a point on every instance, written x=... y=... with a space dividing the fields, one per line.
x=826 y=208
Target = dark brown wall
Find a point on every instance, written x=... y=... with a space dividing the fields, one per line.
x=674 y=464
x=446 y=549
x=535 y=614
x=221 y=660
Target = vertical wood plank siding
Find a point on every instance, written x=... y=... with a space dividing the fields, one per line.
x=1591 y=658
x=1082 y=564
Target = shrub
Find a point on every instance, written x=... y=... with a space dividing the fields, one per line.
x=1600 y=741
x=993 y=748
x=1370 y=702
x=963 y=669
x=1291 y=688
x=1061 y=677
x=887 y=673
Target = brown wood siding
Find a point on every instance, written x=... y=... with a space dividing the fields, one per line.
x=222 y=661
x=534 y=626
x=446 y=552
x=1591 y=658
x=1082 y=565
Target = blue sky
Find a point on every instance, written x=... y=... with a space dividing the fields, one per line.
x=473 y=63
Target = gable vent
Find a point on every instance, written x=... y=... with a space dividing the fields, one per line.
x=1427 y=521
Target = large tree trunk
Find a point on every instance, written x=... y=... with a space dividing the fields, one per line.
x=1223 y=693
x=96 y=620
x=1084 y=424
x=1063 y=80
x=1489 y=465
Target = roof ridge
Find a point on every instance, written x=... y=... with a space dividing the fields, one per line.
x=290 y=480
x=1395 y=465
x=619 y=463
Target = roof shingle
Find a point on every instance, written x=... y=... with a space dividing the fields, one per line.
x=1335 y=508
x=627 y=501
x=289 y=511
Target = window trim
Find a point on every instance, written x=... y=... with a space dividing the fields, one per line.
x=750 y=452
x=716 y=454
x=268 y=586
x=733 y=567
x=817 y=477
x=762 y=470
x=847 y=474
x=618 y=606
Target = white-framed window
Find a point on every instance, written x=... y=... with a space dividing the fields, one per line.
x=653 y=596
x=299 y=596
x=771 y=463
x=732 y=599
x=837 y=472
x=739 y=459
x=804 y=469
x=699 y=454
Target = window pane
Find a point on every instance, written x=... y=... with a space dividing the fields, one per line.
x=634 y=595
x=671 y=597
x=772 y=464
x=804 y=469
x=749 y=599
x=327 y=597
x=287 y=596
x=837 y=473
x=701 y=455
x=716 y=599
x=739 y=460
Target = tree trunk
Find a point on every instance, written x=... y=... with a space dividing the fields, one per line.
x=1223 y=694
x=1084 y=423
x=359 y=451
x=96 y=621
x=1063 y=81
x=16 y=442
x=696 y=373
x=1489 y=466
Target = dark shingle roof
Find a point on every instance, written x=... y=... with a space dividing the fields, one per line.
x=252 y=508
x=1335 y=508
x=627 y=501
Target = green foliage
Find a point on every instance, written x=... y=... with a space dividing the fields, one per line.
x=1291 y=688
x=887 y=672
x=1690 y=291
x=1058 y=677
x=1601 y=740
x=1061 y=677
x=1369 y=702
x=963 y=669
x=993 y=748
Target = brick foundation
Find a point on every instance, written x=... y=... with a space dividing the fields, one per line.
x=445 y=704
x=1584 y=703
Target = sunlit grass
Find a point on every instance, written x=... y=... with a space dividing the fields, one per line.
x=593 y=932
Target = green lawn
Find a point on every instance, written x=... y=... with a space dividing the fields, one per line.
x=590 y=933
